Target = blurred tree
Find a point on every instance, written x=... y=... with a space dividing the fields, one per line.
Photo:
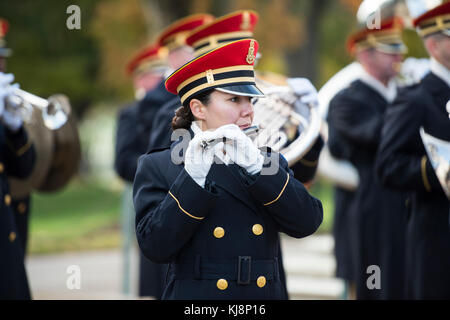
x=48 y=57
x=304 y=60
x=120 y=29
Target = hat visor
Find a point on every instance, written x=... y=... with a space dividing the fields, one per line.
x=246 y=90
x=392 y=48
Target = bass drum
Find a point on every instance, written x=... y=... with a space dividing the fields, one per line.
x=66 y=154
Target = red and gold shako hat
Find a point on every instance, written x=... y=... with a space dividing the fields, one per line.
x=4 y=27
x=147 y=59
x=434 y=20
x=228 y=68
x=174 y=36
x=387 y=38
x=234 y=26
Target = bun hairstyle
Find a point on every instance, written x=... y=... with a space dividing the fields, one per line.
x=183 y=115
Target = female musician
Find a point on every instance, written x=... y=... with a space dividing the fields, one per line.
x=215 y=216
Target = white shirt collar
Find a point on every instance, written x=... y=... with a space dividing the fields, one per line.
x=388 y=92
x=195 y=128
x=441 y=71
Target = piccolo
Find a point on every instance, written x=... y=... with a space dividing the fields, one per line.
x=250 y=132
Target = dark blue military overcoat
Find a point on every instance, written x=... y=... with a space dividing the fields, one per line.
x=403 y=164
x=133 y=129
x=377 y=213
x=222 y=240
x=17 y=158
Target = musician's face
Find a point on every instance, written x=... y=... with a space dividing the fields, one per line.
x=438 y=46
x=388 y=64
x=382 y=66
x=224 y=108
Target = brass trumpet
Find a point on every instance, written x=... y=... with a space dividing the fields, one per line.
x=54 y=113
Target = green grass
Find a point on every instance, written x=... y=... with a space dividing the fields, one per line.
x=82 y=216
x=323 y=191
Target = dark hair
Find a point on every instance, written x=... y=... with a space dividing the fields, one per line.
x=183 y=115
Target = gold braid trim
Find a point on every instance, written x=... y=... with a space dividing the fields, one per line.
x=424 y=174
x=282 y=190
x=179 y=206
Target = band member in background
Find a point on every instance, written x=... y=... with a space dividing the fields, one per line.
x=21 y=207
x=215 y=216
x=148 y=69
x=377 y=214
x=402 y=162
x=17 y=158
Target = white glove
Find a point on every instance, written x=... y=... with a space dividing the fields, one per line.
x=241 y=149
x=304 y=89
x=414 y=69
x=5 y=81
x=11 y=120
x=198 y=160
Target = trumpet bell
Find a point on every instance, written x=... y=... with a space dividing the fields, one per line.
x=57 y=112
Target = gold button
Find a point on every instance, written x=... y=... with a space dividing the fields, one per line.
x=222 y=284
x=219 y=232
x=22 y=207
x=257 y=229
x=7 y=199
x=12 y=236
x=2 y=167
x=261 y=281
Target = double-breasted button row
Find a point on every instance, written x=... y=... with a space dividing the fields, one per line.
x=12 y=236
x=7 y=199
x=219 y=232
x=21 y=207
x=222 y=284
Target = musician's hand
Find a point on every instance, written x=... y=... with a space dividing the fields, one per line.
x=198 y=160
x=241 y=149
x=11 y=120
x=5 y=81
x=304 y=89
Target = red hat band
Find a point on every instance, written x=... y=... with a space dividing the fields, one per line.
x=234 y=26
x=387 y=38
x=175 y=35
x=4 y=27
x=227 y=67
x=434 y=21
x=149 y=58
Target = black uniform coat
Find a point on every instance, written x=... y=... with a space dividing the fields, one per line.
x=179 y=222
x=402 y=164
x=378 y=214
x=342 y=224
x=17 y=157
x=133 y=129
